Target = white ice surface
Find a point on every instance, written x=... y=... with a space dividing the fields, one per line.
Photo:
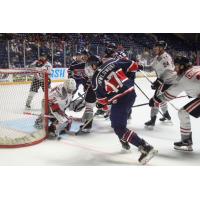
x=101 y=147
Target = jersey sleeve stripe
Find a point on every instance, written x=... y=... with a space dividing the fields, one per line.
x=133 y=67
x=168 y=96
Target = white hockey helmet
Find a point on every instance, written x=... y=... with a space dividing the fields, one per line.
x=70 y=85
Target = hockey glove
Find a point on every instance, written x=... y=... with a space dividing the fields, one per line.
x=165 y=87
x=140 y=67
x=154 y=102
x=155 y=85
x=99 y=105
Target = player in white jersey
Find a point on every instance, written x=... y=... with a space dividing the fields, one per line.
x=38 y=79
x=163 y=65
x=59 y=99
x=188 y=81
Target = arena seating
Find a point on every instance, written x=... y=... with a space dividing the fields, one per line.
x=22 y=49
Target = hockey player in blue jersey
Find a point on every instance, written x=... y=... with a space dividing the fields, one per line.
x=77 y=72
x=113 y=86
x=112 y=51
x=88 y=100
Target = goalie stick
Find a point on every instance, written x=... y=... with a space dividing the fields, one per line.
x=79 y=96
x=50 y=116
x=34 y=114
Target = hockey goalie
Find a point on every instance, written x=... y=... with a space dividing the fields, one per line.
x=59 y=99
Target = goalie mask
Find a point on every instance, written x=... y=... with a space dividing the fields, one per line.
x=70 y=85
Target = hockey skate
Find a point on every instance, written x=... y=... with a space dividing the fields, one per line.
x=151 y=123
x=166 y=118
x=38 y=123
x=27 y=107
x=29 y=100
x=184 y=145
x=52 y=132
x=147 y=153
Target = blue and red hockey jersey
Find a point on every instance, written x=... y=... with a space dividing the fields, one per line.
x=114 y=79
x=76 y=70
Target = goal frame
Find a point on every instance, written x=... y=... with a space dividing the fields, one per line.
x=42 y=134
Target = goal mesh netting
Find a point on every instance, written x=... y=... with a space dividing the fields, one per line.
x=16 y=122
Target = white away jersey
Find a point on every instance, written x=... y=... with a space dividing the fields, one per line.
x=189 y=83
x=59 y=95
x=42 y=66
x=164 y=68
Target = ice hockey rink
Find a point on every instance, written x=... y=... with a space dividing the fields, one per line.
x=101 y=147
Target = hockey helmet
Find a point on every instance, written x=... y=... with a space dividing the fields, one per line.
x=161 y=43
x=78 y=53
x=77 y=56
x=183 y=62
x=85 y=54
x=43 y=54
x=110 y=48
x=94 y=60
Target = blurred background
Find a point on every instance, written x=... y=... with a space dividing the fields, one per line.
x=18 y=50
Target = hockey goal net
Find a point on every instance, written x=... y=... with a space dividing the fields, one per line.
x=16 y=122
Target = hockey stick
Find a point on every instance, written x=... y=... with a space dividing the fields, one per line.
x=145 y=95
x=141 y=91
x=81 y=128
x=34 y=114
x=79 y=96
x=158 y=81
x=49 y=116
x=143 y=104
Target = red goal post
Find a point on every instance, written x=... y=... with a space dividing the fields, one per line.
x=16 y=127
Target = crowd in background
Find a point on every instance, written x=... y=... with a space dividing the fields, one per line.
x=19 y=50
